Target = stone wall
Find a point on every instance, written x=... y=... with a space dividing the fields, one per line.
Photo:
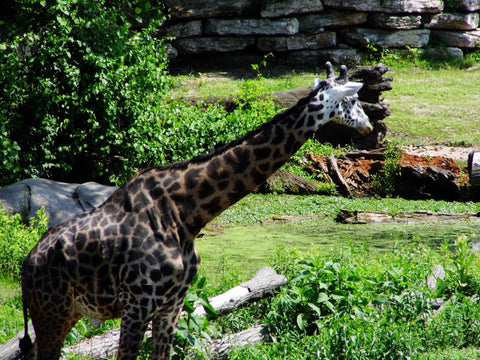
x=338 y=30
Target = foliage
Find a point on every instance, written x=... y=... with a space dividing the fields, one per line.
x=349 y=306
x=16 y=240
x=375 y=53
x=387 y=182
x=78 y=88
x=183 y=131
x=193 y=332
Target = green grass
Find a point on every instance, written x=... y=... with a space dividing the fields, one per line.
x=452 y=354
x=259 y=208
x=11 y=319
x=435 y=106
x=428 y=105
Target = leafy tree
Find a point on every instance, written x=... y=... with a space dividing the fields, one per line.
x=81 y=81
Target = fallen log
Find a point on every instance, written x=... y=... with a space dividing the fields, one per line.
x=104 y=346
x=265 y=282
x=379 y=217
x=220 y=348
x=10 y=350
x=337 y=177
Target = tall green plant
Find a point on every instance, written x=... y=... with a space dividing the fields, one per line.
x=16 y=240
x=77 y=88
x=387 y=182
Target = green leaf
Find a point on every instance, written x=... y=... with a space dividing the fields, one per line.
x=300 y=322
x=322 y=297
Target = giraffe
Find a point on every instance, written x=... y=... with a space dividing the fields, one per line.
x=134 y=257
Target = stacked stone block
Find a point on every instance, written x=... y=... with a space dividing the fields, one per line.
x=306 y=28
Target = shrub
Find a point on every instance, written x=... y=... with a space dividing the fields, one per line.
x=387 y=182
x=78 y=87
x=16 y=240
x=337 y=306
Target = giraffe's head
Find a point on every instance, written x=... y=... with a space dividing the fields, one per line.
x=336 y=99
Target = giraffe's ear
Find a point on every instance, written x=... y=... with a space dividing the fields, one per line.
x=348 y=89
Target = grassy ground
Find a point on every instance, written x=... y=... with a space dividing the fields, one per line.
x=435 y=106
x=429 y=106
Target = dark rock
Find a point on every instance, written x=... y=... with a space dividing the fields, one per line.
x=362 y=36
x=62 y=201
x=286 y=26
x=331 y=19
x=279 y=8
x=195 y=9
x=389 y=6
x=466 y=5
x=335 y=56
x=198 y=45
x=469 y=39
x=428 y=182
x=297 y=42
x=389 y=21
x=180 y=30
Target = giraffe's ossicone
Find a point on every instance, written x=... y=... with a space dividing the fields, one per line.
x=134 y=257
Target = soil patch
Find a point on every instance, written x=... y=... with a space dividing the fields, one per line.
x=437 y=161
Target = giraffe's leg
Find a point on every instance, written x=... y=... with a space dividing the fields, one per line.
x=135 y=320
x=164 y=326
x=51 y=328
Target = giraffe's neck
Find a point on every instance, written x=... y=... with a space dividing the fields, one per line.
x=214 y=182
x=183 y=197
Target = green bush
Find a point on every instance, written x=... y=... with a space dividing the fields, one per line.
x=78 y=88
x=183 y=131
x=350 y=305
x=16 y=240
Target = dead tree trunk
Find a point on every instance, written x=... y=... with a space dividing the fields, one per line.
x=220 y=348
x=337 y=177
x=265 y=282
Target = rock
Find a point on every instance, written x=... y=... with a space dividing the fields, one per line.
x=297 y=42
x=388 y=21
x=279 y=8
x=251 y=26
x=466 y=5
x=330 y=19
x=212 y=44
x=387 y=39
x=335 y=56
x=441 y=53
x=469 y=39
x=428 y=182
x=454 y=21
x=180 y=30
x=62 y=201
x=195 y=9
x=172 y=53
x=389 y=6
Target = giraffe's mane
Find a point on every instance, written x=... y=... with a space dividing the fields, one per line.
x=181 y=165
